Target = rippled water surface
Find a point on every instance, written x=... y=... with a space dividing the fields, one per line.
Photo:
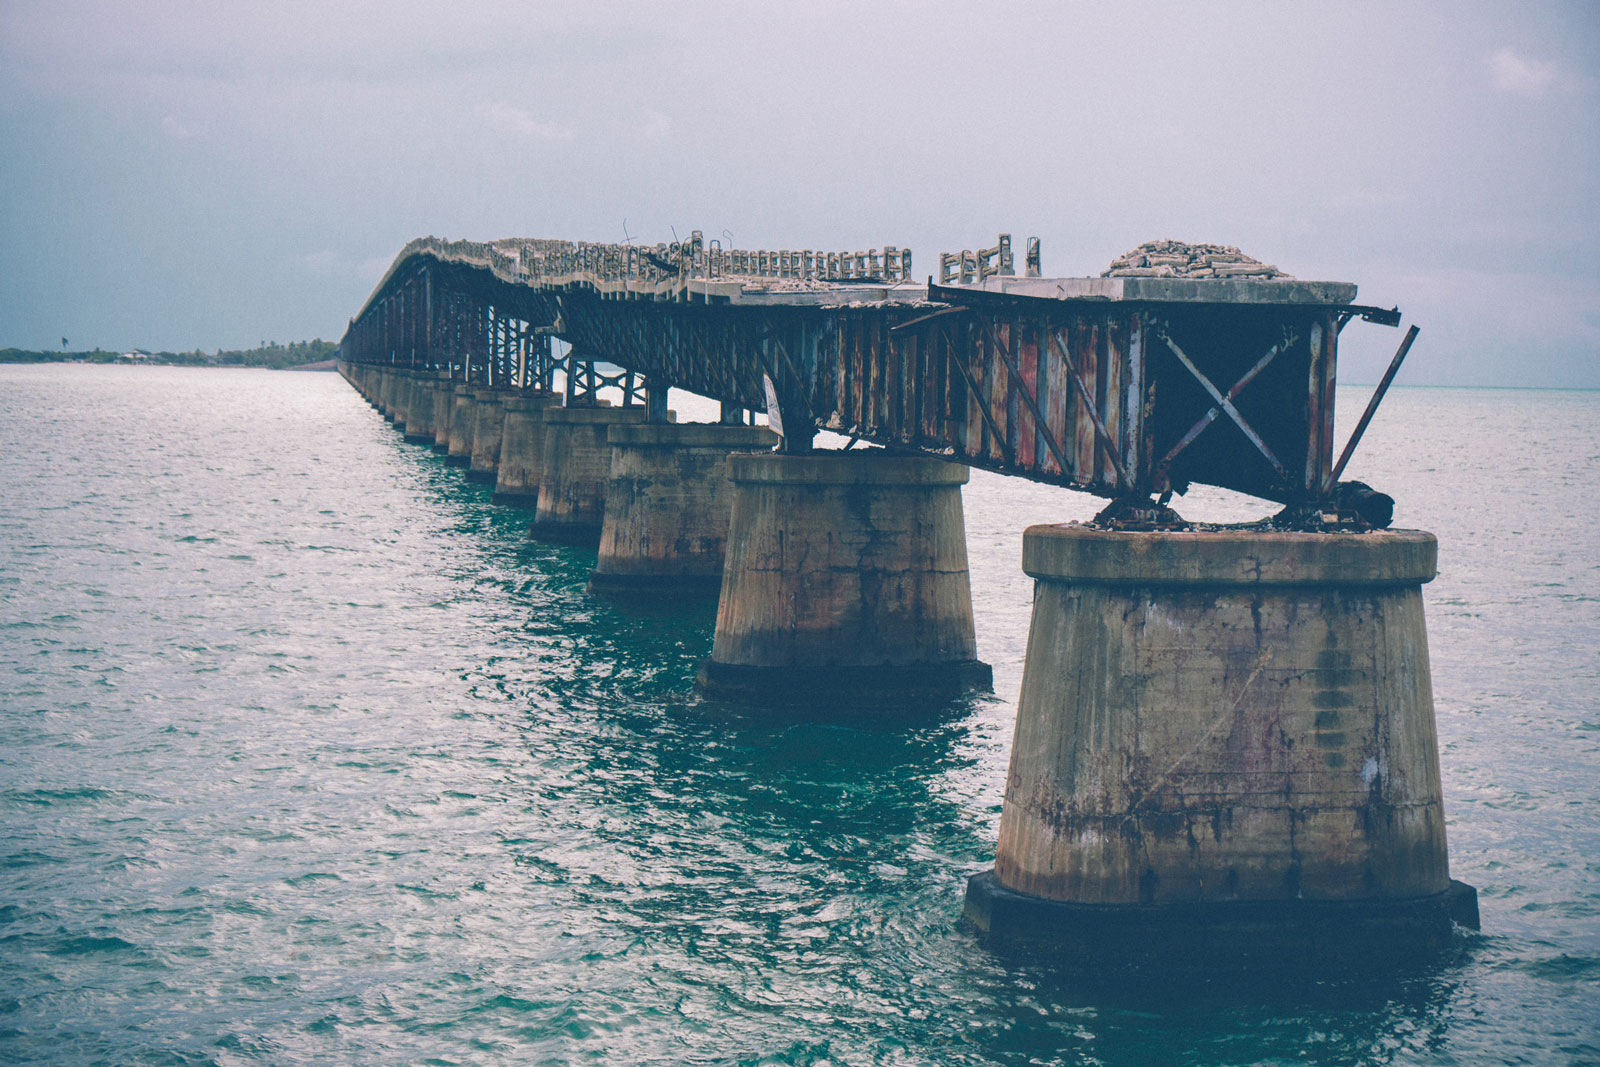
x=307 y=755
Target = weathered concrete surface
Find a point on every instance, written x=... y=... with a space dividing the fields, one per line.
x=399 y=397
x=463 y=418
x=487 y=425
x=444 y=409
x=419 y=427
x=846 y=576
x=576 y=471
x=1215 y=718
x=668 y=503
x=385 y=392
x=522 y=448
x=399 y=381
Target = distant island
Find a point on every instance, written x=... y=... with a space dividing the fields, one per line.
x=296 y=354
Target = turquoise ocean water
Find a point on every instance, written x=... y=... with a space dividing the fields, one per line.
x=307 y=755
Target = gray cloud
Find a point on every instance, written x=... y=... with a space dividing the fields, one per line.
x=197 y=174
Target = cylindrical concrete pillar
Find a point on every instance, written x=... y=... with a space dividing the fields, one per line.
x=444 y=408
x=1225 y=741
x=487 y=425
x=463 y=418
x=398 y=397
x=576 y=471
x=385 y=390
x=846 y=579
x=522 y=448
x=401 y=398
x=667 y=504
x=419 y=409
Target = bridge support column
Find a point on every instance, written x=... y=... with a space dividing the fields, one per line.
x=845 y=582
x=396 y=397
x=522 y=449
x=576 y=471
x=444 y=409
x=488 y=423
x=667 y=504
x=463 y=418
x=1224 y=748
x=383 y=393
x=419 y=427
x=400 y=398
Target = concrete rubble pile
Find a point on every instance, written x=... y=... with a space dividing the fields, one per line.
x=1178 y=259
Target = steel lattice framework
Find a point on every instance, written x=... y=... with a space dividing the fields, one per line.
x=1128 y=388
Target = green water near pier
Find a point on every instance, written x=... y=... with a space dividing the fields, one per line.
x=308 y=755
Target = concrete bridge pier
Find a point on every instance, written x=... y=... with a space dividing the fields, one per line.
x=444 y=406
x=391 y=389
x=463 y=419
x=419 y=427
x=665 y=523
x=1224 y=750
x=383 y=390
x=845 y=581
x=522 y=448
x=576 y=470
x=399 y=389
x=488 y=423
x=399 y=396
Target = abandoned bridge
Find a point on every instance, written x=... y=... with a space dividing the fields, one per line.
x=545 y=367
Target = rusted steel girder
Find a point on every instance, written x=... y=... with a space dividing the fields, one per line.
x=1087 y=386
x=437 y=316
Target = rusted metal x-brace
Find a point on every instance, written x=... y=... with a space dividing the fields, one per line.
x=1224 y=403
x=1042 y=424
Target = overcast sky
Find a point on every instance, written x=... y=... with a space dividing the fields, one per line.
x=182 y=175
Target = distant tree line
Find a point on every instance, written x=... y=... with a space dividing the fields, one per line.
x=267 y=354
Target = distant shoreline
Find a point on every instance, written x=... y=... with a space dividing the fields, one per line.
x=314 y=354
x=319 y=366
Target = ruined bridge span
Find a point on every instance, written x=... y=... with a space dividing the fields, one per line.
x=1225 y=746
x=1126 y=387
